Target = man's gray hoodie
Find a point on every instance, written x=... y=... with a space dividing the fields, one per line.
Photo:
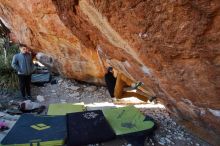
x=23 y=64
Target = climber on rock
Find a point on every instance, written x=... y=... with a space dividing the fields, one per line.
x=122 y=87
x=110 y=81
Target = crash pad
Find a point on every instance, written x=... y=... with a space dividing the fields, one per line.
x=87 y=128
x=40 y=78
x=127 y=120
x=64 y=108
x=37 y=130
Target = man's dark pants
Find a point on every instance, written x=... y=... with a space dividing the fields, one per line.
x=24 y=83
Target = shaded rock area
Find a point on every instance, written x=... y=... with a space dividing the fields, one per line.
x=172 y=46
x=70 y=91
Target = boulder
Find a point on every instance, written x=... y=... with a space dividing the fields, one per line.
x=173 y=47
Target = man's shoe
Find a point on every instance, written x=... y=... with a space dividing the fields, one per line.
x=137 y=85
x=29 y=98
x=24 y=98
x=114 y=99
x=152 y=98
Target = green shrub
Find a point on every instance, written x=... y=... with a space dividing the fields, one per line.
x=8 y=77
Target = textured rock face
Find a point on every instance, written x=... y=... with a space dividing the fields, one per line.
x=171 y=46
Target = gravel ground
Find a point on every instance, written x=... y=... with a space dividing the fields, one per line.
x=167 y=133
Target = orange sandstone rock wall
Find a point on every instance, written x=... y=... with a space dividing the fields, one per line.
x=172 y=46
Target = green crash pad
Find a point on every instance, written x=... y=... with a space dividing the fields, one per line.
x=64 y=108
x=127 y=120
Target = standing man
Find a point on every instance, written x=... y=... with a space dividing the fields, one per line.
x=22 y=63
